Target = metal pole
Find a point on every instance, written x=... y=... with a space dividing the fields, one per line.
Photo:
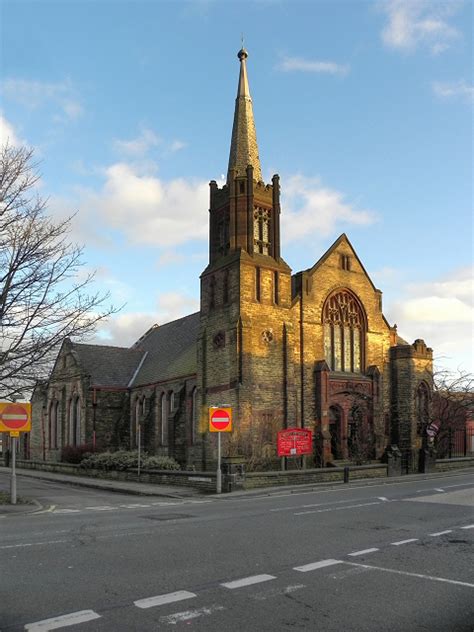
x=218 y=473
x=139 y=449
x=13 y=475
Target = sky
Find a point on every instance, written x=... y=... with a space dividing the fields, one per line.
x=363 y=108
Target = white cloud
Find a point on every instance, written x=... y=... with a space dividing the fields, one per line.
x=8 y=133
x=146 y=141
x=36 y=94
x=442 y=313
x=312 y=209
x=126 y=328
x=140 y=145
x=419 y=23
x=145 y=208
x=454 y=89
x=177 y=145
x=292 y=64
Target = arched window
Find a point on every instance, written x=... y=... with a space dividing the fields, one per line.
x=53 y=424
x=194 y=415
x=75 y=420
x=422 y=404
x=344 y=332
x=261 y=231
x=164 y=420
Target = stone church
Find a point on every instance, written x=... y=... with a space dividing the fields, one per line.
x=309 y=349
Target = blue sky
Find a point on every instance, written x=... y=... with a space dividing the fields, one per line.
x=363 y=108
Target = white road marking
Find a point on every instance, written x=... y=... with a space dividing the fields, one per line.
x=434 y=535
x=397 y=572
x=277 y=592
x=187 y=615
x=63 y=621
x=248 y=581
x=135 y=506
x=438 y=489
x=404 y=542
x=383 y=498
x=66 y=511
x=458 y=485
x=17 y=546
x=302 y=513
x=469 y=526
x=160 y=600
x=100 y=507
x=315 y=565
x=363 y=552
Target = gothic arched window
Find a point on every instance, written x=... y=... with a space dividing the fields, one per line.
x=164 y=420
x=344 y=332
x=75 y=420
x=261 y=231
x=194 y=416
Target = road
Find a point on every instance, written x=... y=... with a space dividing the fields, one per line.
x=380 y=557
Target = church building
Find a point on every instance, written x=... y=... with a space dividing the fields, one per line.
x=310 y=349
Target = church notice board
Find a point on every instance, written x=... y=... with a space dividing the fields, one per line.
x=295 y=442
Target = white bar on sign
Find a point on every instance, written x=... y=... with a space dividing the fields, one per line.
x=160 y=600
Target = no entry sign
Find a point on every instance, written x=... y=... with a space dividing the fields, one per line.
x=15 y=417
x=220 y=419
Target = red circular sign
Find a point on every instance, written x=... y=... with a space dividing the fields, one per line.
x=14 y=416
x=220 y=419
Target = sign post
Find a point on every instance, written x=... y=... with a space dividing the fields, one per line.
x=220 y=420
x=14 y=418
x=13 y=474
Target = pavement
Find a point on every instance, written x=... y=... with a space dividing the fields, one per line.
x=30 y=505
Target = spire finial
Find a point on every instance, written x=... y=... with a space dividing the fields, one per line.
x=243 y=148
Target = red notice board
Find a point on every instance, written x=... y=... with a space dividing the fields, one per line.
x=295 y=442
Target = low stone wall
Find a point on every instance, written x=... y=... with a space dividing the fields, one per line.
x=205 y=481
x=254 y=480
x=444 y=465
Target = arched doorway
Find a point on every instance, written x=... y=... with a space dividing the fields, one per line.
x=335 y=430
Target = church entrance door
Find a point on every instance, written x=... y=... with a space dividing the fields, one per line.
x=335 y=423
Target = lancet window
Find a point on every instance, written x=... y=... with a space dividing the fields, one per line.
x=344 y=332
x=261 y=231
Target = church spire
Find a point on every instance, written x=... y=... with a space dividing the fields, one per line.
x=244 y=148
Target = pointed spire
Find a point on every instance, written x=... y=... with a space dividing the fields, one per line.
x=243 y=147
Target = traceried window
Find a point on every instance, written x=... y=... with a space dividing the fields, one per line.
x=344 y=329
x=261 y=231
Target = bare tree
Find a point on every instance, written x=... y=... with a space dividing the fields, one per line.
x=43 y=297
x=453 y=404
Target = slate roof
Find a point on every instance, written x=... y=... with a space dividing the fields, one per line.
x=172 y=351
x=108 y=366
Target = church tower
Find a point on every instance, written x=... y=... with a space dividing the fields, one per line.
x=244 y=350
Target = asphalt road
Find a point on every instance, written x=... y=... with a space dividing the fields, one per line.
x=383 y=557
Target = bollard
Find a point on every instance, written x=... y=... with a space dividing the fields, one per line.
x=346 y=474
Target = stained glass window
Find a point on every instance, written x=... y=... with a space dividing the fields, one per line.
x=344 y=328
